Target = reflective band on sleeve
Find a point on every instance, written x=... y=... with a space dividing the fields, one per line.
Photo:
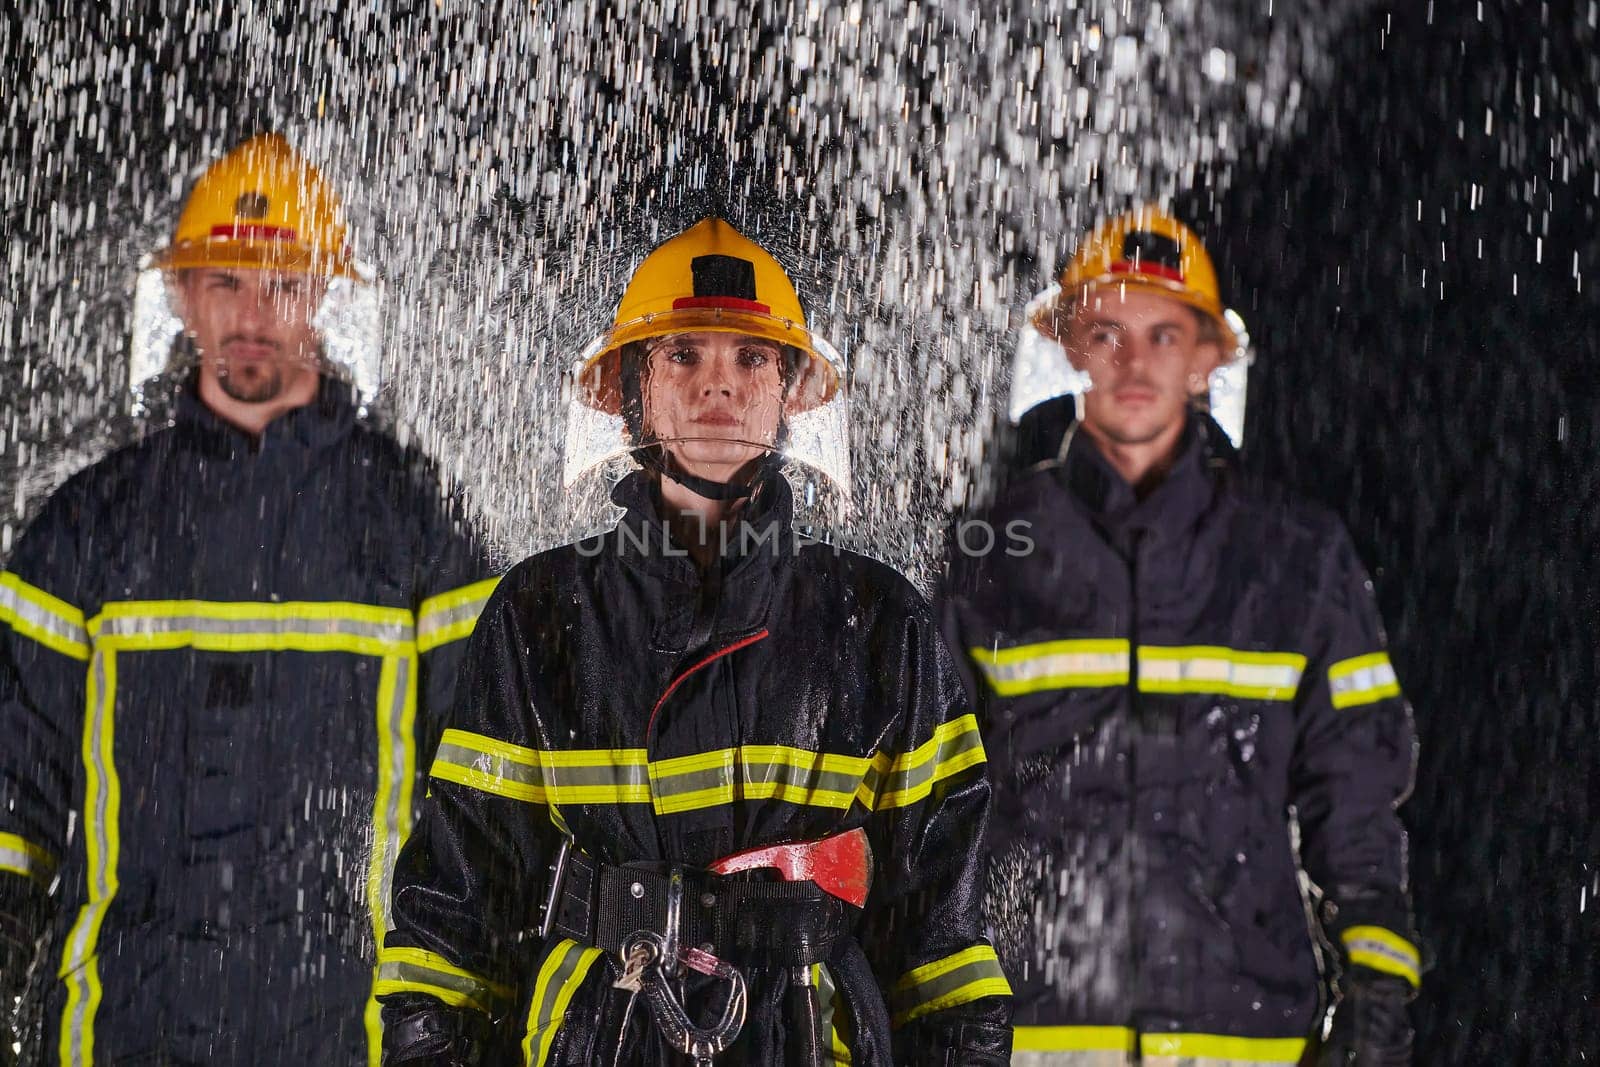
x=49 y=620
x=1382 y=950
x=415 y=970
x=1076 y=664
x=21 y=856
x=957 y=979
x=306 y=626
x=451 y=616
x=102 y=803
x=1218 y=1050
x=897 y=781
x=563 y=971
x=1362 y=680
x=1072 y=1046
x=1222 y=671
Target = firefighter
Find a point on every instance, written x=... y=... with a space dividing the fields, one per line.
x=711 y=791
x=1183 y=678
x=223 y=651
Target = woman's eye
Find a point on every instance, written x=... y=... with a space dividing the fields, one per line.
x=754 y=357
x=682 y=356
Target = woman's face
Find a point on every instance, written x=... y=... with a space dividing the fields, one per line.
x=713 y=399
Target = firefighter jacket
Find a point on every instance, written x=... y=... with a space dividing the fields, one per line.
x=221 y=657
x=1181 y=694
x=613 y=694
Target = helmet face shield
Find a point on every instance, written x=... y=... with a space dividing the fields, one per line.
x=635 y=395
x=347 y=321
x=1042 y=371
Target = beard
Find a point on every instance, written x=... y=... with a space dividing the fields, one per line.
x=250 y=381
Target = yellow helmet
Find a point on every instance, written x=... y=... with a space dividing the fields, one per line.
x=710 y=278
x=261 y=207
x=1145 y=249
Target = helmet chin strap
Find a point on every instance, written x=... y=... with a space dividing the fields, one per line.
x=657 y=458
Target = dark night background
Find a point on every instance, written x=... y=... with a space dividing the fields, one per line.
x=1456 y=434
x=1428 y=368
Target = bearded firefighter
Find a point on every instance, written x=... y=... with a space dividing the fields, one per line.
x=222 y=650
x=1187 y=702
x=712 y=791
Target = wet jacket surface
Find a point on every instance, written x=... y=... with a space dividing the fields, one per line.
x=613 y=693
x=220 y=657
x=1162 y=680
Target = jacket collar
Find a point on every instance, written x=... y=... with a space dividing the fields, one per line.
x=733 y=599
x=293 y=437
x=1172 y=506
x=763 y=532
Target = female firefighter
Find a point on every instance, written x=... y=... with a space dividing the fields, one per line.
x=711 y=792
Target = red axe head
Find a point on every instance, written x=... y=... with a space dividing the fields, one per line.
x=840 y=865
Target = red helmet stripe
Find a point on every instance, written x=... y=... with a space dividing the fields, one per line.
x=721 y=303
x=1158 y=269
x=252 y=231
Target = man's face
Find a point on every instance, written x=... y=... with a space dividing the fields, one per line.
x=714 y=399
x=1145 y=358
x=253 y=328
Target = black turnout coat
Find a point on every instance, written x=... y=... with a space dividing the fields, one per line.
x=658 y=716
x=1186 y=701
x=223 y=659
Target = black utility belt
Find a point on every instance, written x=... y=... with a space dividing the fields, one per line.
x=738 y=918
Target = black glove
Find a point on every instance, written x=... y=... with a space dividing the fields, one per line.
x=442 y=1038
x=16 y=956
x=17 y=948
x=973 y=1035
x=1371 y=1025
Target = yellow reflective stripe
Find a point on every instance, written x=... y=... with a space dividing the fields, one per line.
x=898 y=781
x=1073 y=1039
x=756 y=772
x=451 y=616
x=1362 y=680
x=249 y=626
x=415 y=970
x=1036 y=668
x=832 y=1010
x=563 y=972
x=1223 y=671
x=705 y=779
x=18 y=855
x=49 y=620
x=956 y=979
x=396 y=716
x=1383 y=950
x=1192 y=1047
x=541 y=776
x=102 y=804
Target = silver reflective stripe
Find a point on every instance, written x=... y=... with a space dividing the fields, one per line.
x=1362 y=680
x=79 y=961
x=399 y=769
x=1075 y=1058
x=435 y=621
x=1221 y=671
x=20 y=856
x=1054 y=665
x=1211 y=1061
x=143 y=625
x=18 y=608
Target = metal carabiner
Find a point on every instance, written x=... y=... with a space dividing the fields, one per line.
x=654 y=961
